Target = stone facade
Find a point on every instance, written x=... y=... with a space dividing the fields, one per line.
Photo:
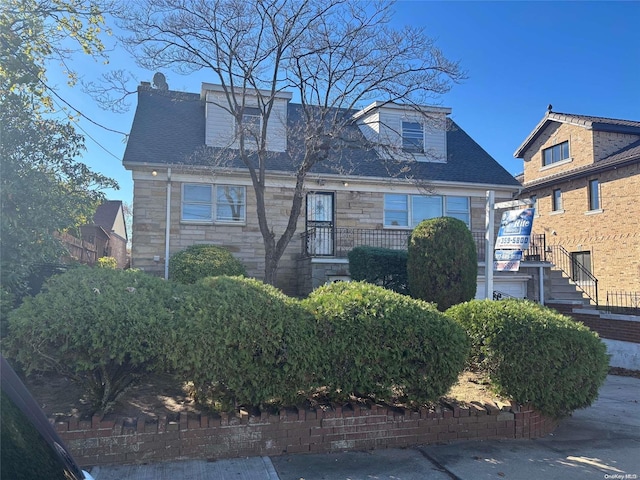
x=609 y=233
x=358 y=206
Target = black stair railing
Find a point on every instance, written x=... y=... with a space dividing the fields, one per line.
x=582 y=277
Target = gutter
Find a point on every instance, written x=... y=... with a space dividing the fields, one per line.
x=167 y=232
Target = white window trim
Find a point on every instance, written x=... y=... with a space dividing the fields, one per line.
x=214 y=207
x=410 y=208
x=557 y=164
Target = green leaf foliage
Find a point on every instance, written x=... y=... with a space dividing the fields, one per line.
x=442 y=264
x=533 y=354
x=244 y=342
x=201 y=261
x=101 y=327
x=380 y=266
x=380 y=344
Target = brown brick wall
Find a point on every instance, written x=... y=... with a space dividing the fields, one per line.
x=612 y=327
x=104 y=441
x=611 y=235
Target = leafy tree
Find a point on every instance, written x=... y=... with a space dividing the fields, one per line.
x=43 y=188
x=336 y=55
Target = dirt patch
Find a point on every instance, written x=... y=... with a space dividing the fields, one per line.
x=163 y=395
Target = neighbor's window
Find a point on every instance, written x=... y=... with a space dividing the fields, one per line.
x=410 y=210
x=412 y=137
x=556 y=200
x=594 y=195
x=230 y=203
x=555 y=154
x=197 y=203
x=581 y=266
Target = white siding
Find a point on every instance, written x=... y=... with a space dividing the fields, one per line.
x=384 y=125
x=220 y=124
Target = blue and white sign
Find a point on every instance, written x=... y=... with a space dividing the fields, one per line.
x=515 y=230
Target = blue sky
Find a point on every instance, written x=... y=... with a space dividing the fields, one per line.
x=581 y=57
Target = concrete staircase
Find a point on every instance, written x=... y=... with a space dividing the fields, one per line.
x=564 y=290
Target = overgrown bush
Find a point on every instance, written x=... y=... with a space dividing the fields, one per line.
x=201 y=261
x=242 y=342
x=533 y=354
x=100 y=327
x=380 y=266
x=442 y=264
x=380 y=344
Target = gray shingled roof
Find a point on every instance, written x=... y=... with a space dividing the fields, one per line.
x=602 y=124
x=106 y=214
x=169 y=128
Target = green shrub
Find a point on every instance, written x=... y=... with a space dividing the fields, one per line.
x=380 y=266
x=7 y=303
x=378 y=343
x=107 y=262
x=442 y=264
x=533 y=354
x=201 y=261
x=243 y=342
x=100 y=327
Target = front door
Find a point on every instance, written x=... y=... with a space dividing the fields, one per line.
x=320 y=214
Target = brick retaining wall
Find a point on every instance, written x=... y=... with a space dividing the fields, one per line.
x=103 y=441
x=624 y=328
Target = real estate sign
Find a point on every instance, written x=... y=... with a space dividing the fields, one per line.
x=513 y=238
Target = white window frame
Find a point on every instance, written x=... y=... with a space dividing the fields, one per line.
x=214 y=214
x=184 y=203
x=251 y=116
x=411 y=134
x=594 y=193
x=445 y=210
x=242 y=205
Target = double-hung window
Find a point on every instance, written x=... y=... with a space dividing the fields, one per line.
x=409 y=210
x=412 y=137
x=200 y=204
x=197 y=203
x=555 y=154
x=251 y=123
x=230 y=203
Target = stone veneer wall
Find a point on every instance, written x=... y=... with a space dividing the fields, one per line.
x=354 y=209
x=103 y=441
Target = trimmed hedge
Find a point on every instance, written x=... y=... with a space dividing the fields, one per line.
x=101 y=327
x=380 y=344
x=380 y=266
x=533 y=354
x=243 y=342
x=201 y=261
x=442 y=263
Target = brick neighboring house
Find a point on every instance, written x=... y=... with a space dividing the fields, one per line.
x=584 y=173
x=108 y=232
x=179 y=200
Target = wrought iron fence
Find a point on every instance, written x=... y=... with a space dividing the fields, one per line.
x=338 y=242
x=627 y=303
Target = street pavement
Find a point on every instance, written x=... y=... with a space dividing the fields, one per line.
x=599 y=442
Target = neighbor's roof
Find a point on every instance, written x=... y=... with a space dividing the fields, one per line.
x=169 y=128
x=626 y=156
x=589 y=122
x=106 y=214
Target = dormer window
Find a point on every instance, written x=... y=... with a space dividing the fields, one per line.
x=251 y=122
x=412 y=137
x=555 y=154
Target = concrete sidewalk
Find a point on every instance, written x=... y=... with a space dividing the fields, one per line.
x=602 y=441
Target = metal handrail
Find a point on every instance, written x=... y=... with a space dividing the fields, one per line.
x=583 y=278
